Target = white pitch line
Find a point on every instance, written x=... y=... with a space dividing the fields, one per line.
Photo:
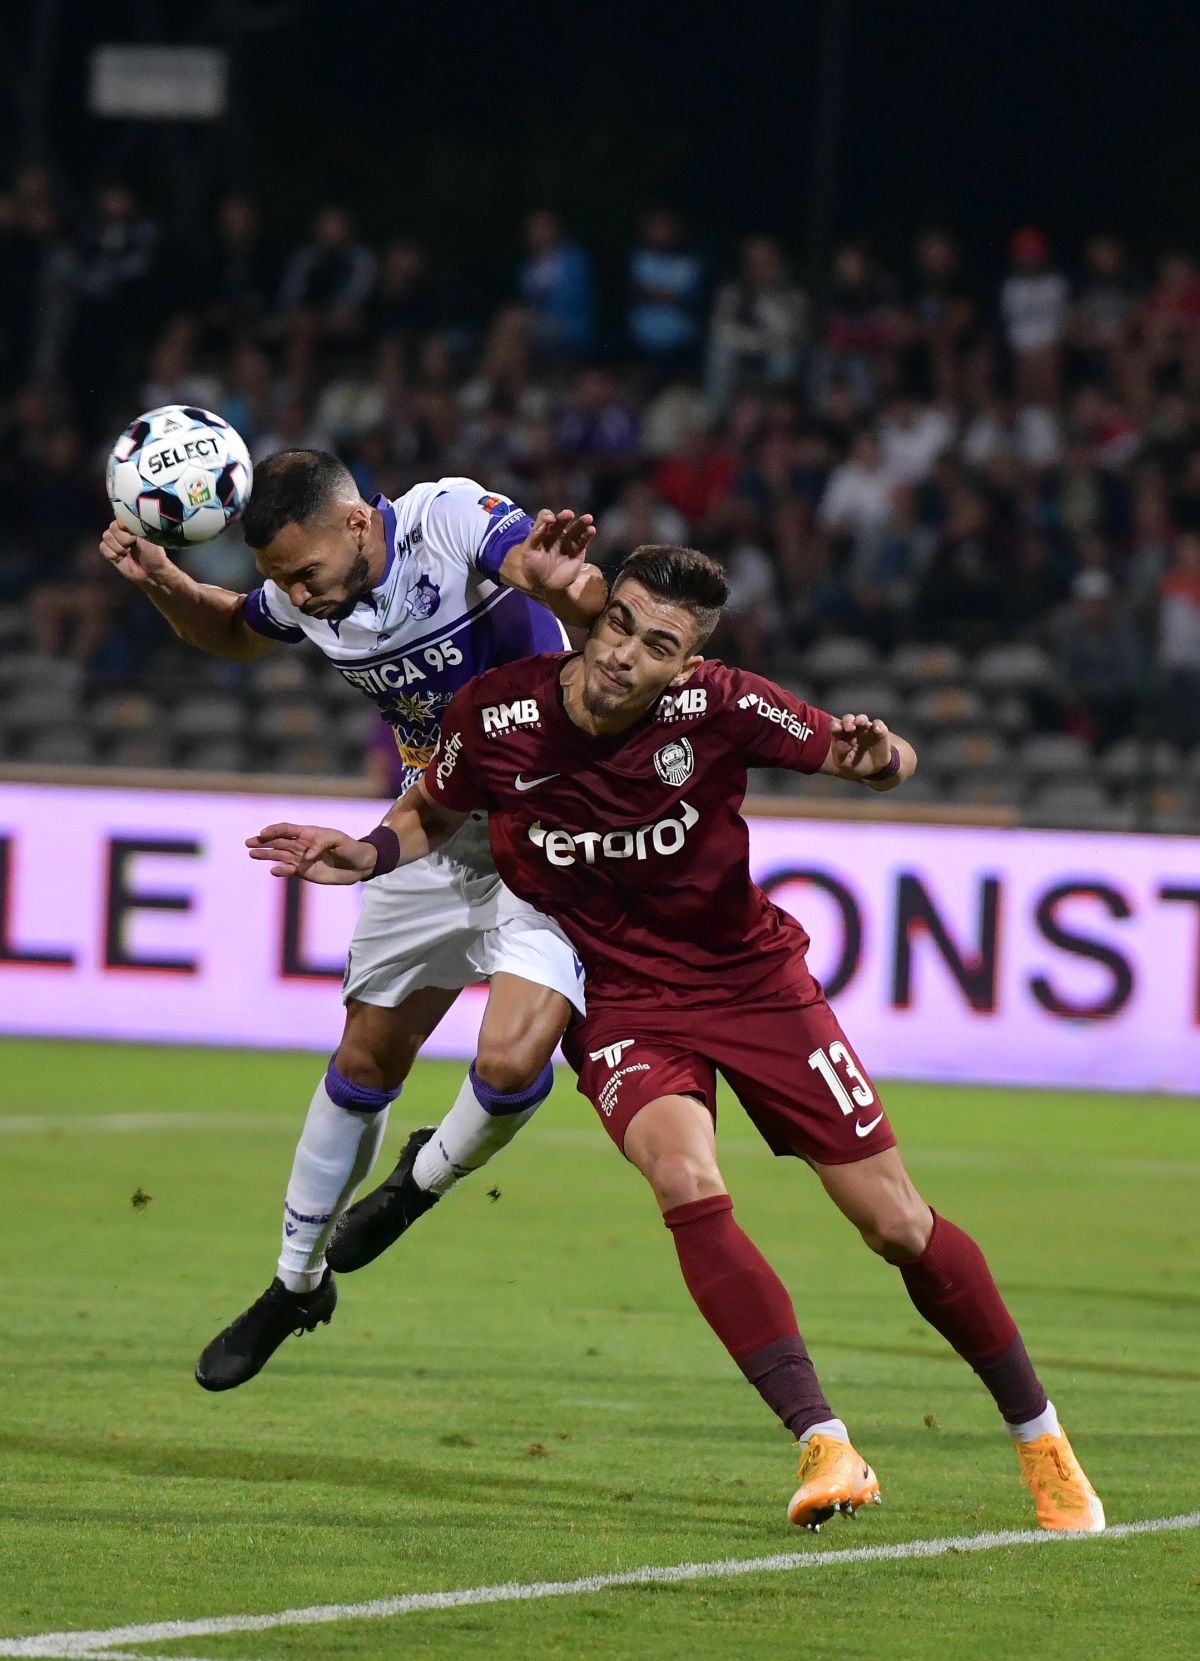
x=85 y=1124
x=102 y=1645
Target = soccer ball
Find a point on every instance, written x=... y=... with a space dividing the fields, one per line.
x=178 y=475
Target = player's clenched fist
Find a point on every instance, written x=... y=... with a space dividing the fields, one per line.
x=132 y=556
x=313 y=852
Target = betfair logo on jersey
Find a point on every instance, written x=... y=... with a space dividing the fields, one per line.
x=449 y=755
x=522 y=712
x=564 y=847
x=781 y=717
x=693 y=700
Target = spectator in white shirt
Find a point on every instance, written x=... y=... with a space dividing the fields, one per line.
x=1033 y=306
x=857 y=499
x=911 y=438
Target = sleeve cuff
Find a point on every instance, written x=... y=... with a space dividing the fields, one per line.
x=260 y=620
x=509 y=533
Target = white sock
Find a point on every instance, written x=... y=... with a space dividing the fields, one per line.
x=481 y=1122
x=1046 y=1424
x=827 y=1427
x=336 y=1150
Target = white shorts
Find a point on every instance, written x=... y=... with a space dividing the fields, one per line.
x=449 y=921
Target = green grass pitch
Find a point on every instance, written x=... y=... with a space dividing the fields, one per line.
x=522 y=1390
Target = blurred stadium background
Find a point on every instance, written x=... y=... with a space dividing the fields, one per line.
x=950 y=453
x=896 y=310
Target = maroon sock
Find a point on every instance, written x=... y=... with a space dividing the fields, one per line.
x=747 y=1306
x=952 y=1287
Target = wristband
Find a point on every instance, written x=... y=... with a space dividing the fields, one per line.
x=888 y=771
x=387 y=850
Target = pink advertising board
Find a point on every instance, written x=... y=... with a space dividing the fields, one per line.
x=992 y=956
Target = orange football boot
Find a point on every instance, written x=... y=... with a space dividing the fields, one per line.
x=832 y=1477
x=1065 y=1498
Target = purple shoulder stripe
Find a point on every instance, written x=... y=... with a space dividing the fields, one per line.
x=509 y=533
x=259 y=618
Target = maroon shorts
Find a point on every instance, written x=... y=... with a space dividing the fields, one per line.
x=786 y=1059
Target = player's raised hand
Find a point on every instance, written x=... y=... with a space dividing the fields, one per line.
x=859 y=745
x=136 y=559
x=556 y=547
x=313 y=852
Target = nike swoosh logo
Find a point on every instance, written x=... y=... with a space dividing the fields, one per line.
x=865 y=1130
x=529 y=784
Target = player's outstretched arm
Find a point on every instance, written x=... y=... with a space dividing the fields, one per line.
x=551 y=566
x=207 y=617
x=867 y=752
x=414 y=827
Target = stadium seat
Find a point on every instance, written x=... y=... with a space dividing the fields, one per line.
x=869 y=696
x=217 y=755
x=30 y=669
x=989 y=787
x=282 y=673
x=915 y=665
x=1172 y=807
x=1078 y=803
x=1054 y=756
x=1011 y=715
x=14 y=628
x=70 y=747
x=1018 y=667
x=289 y=720
x=1135 y=761
x=839 y=657
x=314 y=759
x=937 y=707
x=967 y=751
x=124 y=712
x=355 y=727
x=39 y=708
x=140 y=749
x=210 y=715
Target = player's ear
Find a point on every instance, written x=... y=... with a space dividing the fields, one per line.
x=358 y=522
x=688 y=670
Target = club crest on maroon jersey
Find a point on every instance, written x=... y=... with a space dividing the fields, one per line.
x=675 y=761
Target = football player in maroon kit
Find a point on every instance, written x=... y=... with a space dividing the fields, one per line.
x=614 y=780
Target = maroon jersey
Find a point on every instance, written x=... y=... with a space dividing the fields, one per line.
x=635 y=843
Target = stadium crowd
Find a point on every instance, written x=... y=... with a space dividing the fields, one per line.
x=966 y=500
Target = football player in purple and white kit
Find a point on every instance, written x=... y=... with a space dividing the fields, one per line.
x=409 y=600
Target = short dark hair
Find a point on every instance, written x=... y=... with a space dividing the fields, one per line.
x=290 y=488
x=684 y=576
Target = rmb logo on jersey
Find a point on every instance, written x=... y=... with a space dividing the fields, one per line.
x=693 y=700
x=424 y=597
x=675 y=761
x=522 y=712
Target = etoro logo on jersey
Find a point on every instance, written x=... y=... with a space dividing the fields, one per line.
x=498 y=718
x=564 y=847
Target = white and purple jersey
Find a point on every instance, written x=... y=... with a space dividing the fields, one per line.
x=438 y=615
